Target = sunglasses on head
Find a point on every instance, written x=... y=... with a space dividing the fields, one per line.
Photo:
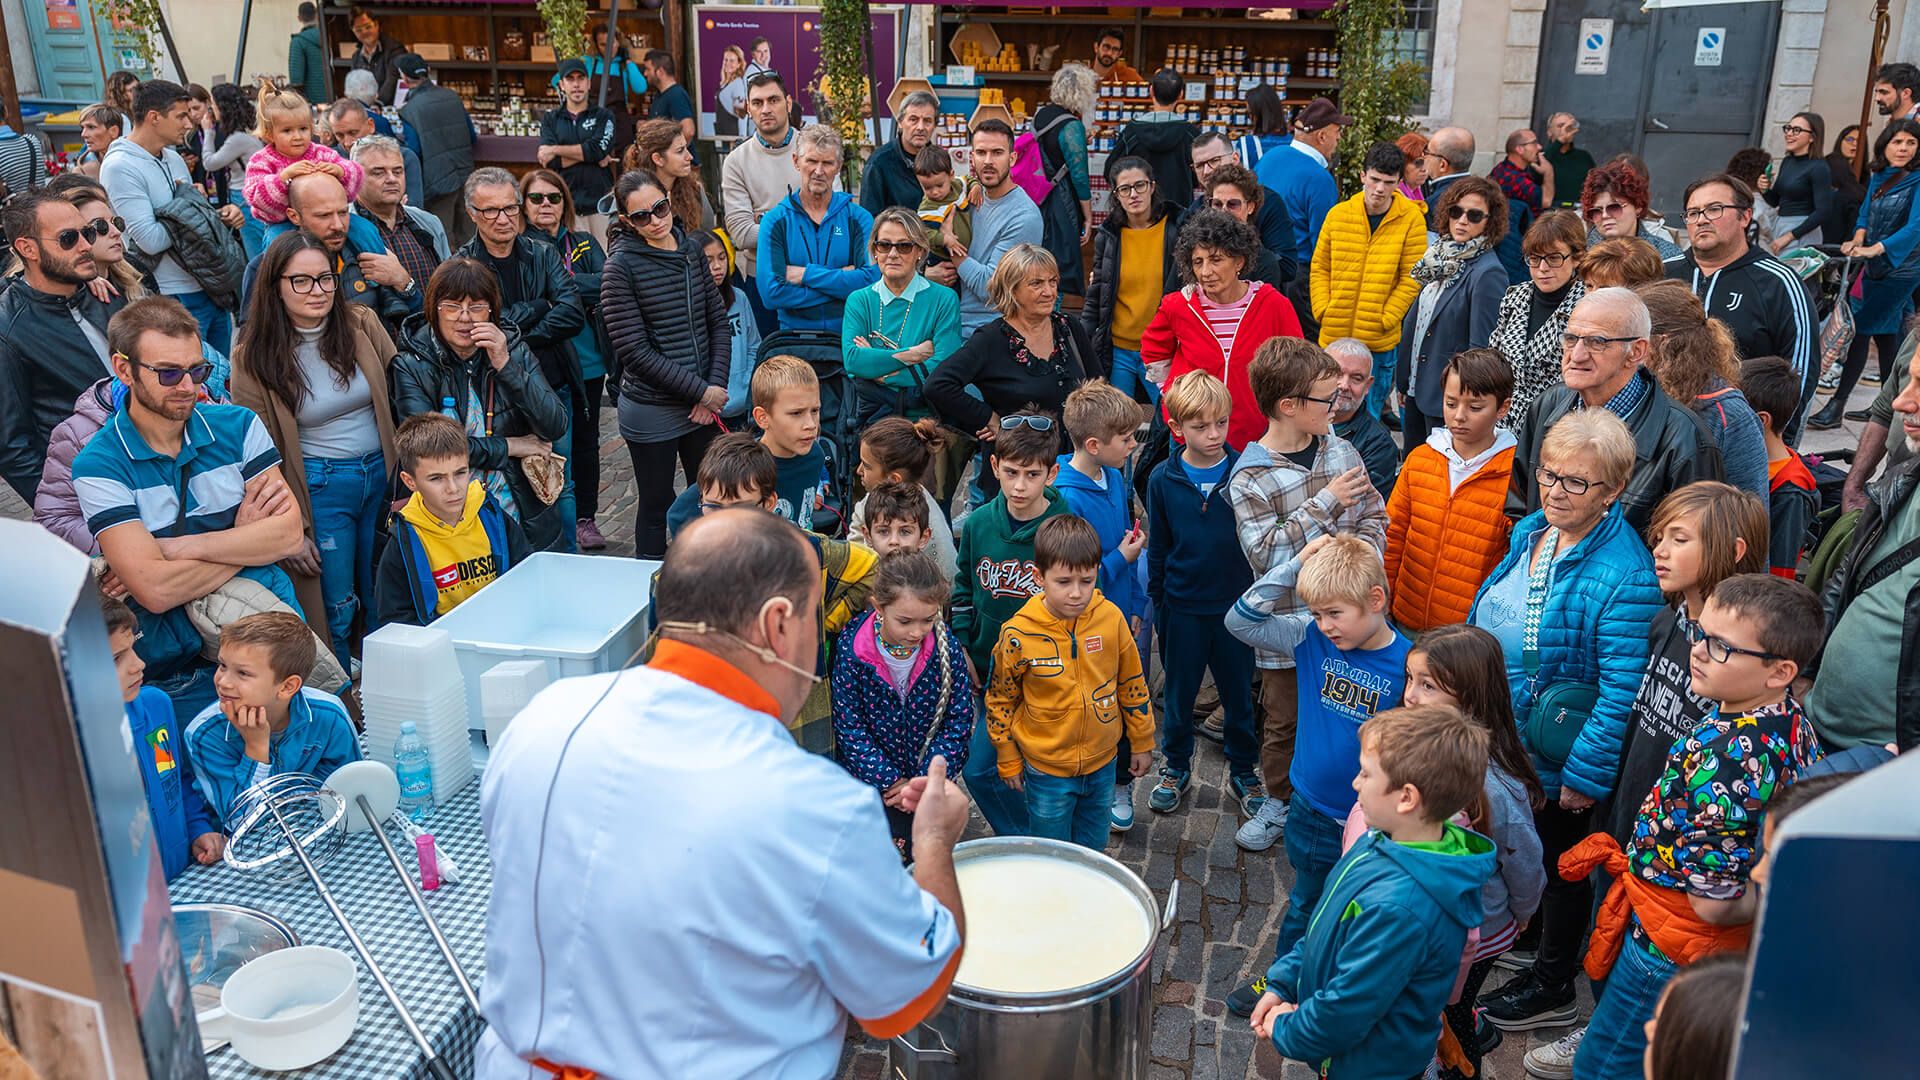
x=762 y=77
x=171 y=376
x=549 y=198
x=68 y=239
x=1019 y=420
x=661 y=209
x=1473 y=216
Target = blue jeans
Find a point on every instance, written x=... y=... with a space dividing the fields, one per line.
x=216 y=326
x=252 y=234
x=348 y=496
x=1004 y=809
x=1190 y=645
x=1130 y=374
x=567 y=503
x=190 y=690
x=1382 y=381
x=1617 y=1035
x=1071 y=808
x=1313 y=846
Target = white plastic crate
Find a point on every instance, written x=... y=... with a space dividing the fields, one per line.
x=579 y=614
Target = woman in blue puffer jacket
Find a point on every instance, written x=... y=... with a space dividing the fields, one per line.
x=1577 y=591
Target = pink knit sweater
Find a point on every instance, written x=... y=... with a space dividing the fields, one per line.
x=267 y=193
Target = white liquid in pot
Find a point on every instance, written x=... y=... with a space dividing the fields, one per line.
x=1036 y=924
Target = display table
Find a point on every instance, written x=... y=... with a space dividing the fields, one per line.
x=377 y=904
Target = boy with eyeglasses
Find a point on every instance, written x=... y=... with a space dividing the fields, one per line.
x=1685 y=874
x=1297 y=482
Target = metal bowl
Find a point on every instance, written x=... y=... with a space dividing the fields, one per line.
x=216 y=939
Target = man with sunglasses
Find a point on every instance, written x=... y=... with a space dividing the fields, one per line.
x=1758 y=298
x=53 y=330
x=1212 y=151
x=1607 y=342
x=181 y=495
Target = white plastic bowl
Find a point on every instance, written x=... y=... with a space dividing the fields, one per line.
x=292 y=1008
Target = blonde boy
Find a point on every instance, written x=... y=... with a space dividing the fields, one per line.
x=786 y=407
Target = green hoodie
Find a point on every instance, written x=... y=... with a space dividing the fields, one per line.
x=997 y=575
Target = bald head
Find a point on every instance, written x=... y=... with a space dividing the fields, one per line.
x=724 y=567
x=1619 y=308
x=1454 y=145
x=317 y=204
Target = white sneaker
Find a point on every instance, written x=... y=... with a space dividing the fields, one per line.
x=1122 y=817
x=1554 y=1061
x=1261 y=830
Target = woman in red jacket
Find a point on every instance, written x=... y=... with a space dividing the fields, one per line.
x=1219 y=320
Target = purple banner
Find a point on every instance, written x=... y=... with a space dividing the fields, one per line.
x=792 y=48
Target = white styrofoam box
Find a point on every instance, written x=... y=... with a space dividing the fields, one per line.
x=408 y=663
x=505 y=689
x=578 y=614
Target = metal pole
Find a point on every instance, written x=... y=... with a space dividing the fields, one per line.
x=173 y=51
x=606 y=62
x=438 y=1067
x=1881 y=28
x=419 y=901
x=240 y=50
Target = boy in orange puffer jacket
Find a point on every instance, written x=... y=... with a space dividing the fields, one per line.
x=1451 y=498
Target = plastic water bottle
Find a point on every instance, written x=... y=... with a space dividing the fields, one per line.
x=415 y=771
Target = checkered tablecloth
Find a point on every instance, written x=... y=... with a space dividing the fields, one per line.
x=366 y=888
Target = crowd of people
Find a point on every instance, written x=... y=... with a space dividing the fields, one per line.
x=1591 y=616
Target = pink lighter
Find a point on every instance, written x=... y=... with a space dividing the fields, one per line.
x=429 y=865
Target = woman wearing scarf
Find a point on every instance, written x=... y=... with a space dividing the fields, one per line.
x=1462 y=281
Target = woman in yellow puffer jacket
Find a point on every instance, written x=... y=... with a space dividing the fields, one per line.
x=1362 y=280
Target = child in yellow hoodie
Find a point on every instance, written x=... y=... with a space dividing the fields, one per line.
x=1066 y=679
x=451 y=539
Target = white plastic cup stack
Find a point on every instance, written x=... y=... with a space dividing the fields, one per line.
x=505 y=689
x=411 y=673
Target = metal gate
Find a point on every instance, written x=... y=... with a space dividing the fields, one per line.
x=1683 y=87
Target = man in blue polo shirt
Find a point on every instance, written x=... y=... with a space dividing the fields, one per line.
x=182 y=495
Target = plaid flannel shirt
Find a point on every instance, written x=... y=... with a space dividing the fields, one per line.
x=1278 y=507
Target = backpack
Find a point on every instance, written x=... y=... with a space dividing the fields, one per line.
x=1029 y=168
x=205 y=247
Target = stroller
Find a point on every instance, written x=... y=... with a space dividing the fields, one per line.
x=1830 y=276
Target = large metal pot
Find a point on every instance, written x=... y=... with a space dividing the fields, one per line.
x=1098 y=1031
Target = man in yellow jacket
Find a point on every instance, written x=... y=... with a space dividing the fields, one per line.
x=1362 y=278
x=1067 y=691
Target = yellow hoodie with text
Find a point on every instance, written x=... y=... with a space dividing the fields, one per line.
x=1062 y=692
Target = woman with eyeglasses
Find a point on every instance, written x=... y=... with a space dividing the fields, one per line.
x=1571 y=605
x=660 y=147
x=1886 y=234
x=457 y=357
x=1233 y=190
x=314 y=367
x=1462 y=282
x=1533 y=314
x=1133 y=268
x=1615 y=204
x=1802 y=188
x=897 y=331
x=672 y=346
x=547 y=208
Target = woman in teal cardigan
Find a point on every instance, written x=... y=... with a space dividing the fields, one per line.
x=899 y=329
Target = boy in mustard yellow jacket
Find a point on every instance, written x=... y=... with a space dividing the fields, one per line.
x=1066 y=679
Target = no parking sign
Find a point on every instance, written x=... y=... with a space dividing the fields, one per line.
x=1596 y=47
x=1710 y=46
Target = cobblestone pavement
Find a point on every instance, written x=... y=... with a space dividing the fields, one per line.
x=1230 y=900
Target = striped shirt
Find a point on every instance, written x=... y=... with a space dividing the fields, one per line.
x=119 y=478
x=23 y=161
x=1224 y=319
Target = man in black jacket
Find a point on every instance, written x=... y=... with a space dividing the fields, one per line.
x=889 y=178
x=1164 y=138
x=1213 y=151
x=537 y=295
x=376 y=52
x=1603 y=369
x=53 y=331
x=1758 y=298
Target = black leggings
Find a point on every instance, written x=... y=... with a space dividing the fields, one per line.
x=1856 y=363
x=586 y=449
x=1566 y=909
x=653 y=484
x=1460 y=1017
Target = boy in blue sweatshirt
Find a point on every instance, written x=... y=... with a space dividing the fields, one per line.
x=1195 y=571
x=1102 y=421
x=1361 y=994
x=267 y=721
x=1352 y=664
x=181 y=825
x=813 y=243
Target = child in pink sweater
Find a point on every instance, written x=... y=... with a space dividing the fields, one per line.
x=286 y=126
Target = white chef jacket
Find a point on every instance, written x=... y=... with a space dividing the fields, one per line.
x=713 y=900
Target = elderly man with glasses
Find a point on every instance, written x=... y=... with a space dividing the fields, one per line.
x=1759 y=299
x=1607 y=342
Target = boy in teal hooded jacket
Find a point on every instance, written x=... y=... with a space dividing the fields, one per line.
x=1362 y=992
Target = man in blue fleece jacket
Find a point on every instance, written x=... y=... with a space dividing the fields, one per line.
x=813 y=243
x=1361 y=995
